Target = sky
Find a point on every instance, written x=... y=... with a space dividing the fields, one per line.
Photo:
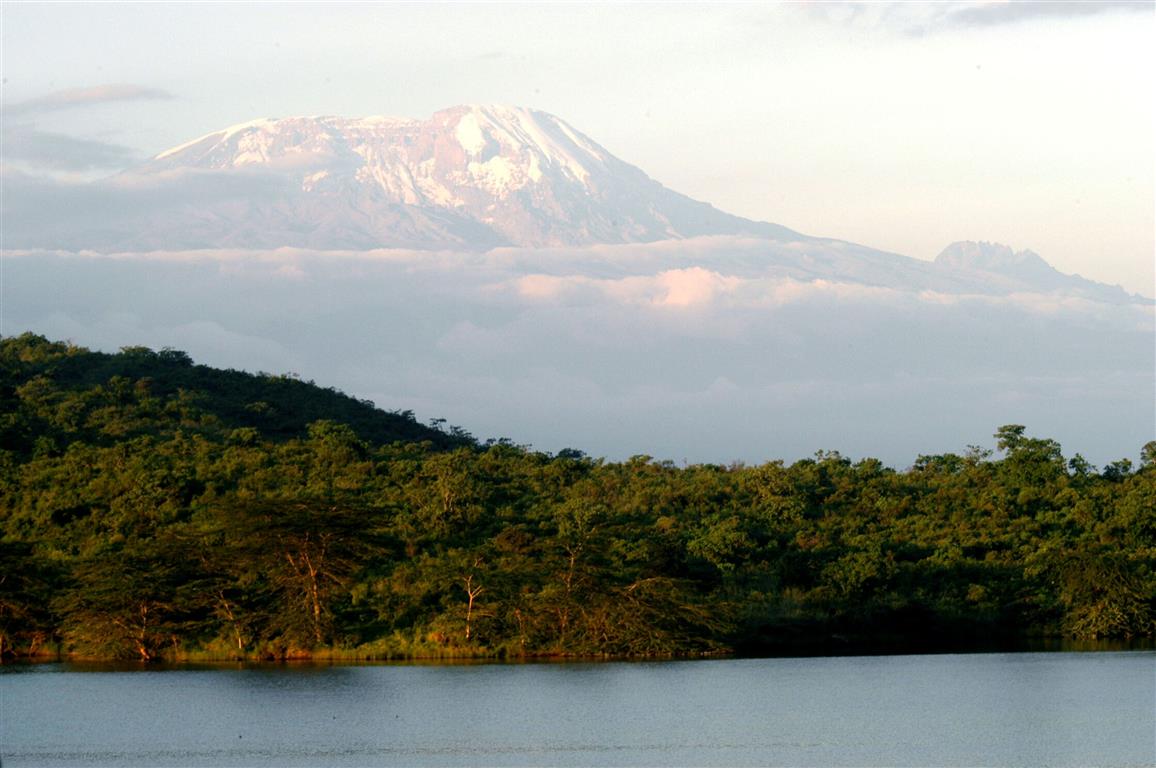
x=900 y=126
x=710 y=350
x=903 y=127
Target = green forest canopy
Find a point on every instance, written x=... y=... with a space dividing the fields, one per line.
x=153 y=508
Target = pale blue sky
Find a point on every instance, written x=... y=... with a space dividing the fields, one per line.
x=900 y=126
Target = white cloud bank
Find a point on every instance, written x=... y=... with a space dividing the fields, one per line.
x=931 y=18
x=711 y=350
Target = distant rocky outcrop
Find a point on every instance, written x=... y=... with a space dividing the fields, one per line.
x=1026 y=268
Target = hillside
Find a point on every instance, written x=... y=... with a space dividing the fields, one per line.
x=141 y=525
x=56 y=393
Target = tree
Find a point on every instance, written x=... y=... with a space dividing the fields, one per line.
x=298 y=558
x=1148 y=455
x=1104 y=593
x=25 y=585
x=131 y=602
x=1030 y=469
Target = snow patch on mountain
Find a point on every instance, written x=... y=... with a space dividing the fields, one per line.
x=470 y=134
x=473 y=177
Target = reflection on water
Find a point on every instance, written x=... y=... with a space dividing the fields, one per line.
x=979 y=709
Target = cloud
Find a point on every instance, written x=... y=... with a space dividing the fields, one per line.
x=676 y=351
x=988 y=14
x=917 y=19
x=40 y=211
x=537 y=287
x=54 y=151
x=114 y=329
x=28 y=146
x=693 y=286
x=84 y=97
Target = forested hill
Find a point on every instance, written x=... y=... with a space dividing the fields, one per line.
x=151 y=508
x=57 y=393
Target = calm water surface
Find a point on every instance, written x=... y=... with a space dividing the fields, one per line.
x=1061 y=709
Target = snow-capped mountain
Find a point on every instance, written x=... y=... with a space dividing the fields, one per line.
x=543 y=288
x=468 y=177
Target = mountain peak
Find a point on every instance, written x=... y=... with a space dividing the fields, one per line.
x=993 y=257
x=472 y=176
x=1026 y=268
x=486 y=130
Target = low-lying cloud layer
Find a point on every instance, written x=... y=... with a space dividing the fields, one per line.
x=29 y=146
x=917 y=19
x=73 y=98
x=713 y=350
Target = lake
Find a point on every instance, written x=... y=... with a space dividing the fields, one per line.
x=1058 y=709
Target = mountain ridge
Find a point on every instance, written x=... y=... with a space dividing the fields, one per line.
x=1001 y=261
x=471 y=177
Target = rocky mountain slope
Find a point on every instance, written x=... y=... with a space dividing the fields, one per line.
x=999 y=269
x=470 y=177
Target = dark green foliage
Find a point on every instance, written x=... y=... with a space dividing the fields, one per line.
x=56 y=393
x=150 y=507
x=131 y=602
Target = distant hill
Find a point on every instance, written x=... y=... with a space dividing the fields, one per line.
x=995 y=264
x=70 y=393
